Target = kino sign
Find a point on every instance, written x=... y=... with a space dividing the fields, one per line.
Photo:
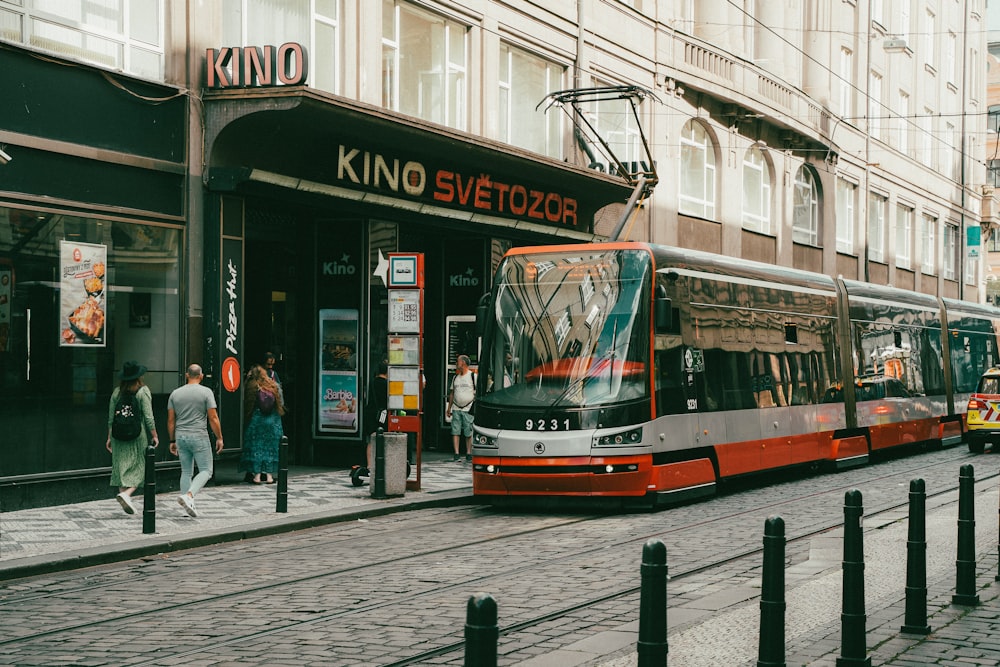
x=249 y=66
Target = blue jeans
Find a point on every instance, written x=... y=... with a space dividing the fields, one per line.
x=194 y=450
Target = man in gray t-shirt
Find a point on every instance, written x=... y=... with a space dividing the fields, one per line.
x=191 y=409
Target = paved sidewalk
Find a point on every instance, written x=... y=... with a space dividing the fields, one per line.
x=49 y=539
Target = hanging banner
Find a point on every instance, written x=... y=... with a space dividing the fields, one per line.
x=338 y=372
x=82 y=289
x=973 y=236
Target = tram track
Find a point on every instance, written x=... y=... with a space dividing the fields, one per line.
x=336 y=576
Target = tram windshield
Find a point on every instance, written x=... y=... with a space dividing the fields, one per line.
x=569 y=330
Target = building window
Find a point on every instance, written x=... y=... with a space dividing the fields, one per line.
x=102 y=33
x=697 y=181
x=950 y=49
x=846 y=81
x=876 y=226
x=993 y=173
x=846 y=193
x=875 y=106
x=525 y=80
x=949 y=254
x=805 y=208
x=930 y=34
x=877 y=10
x=904 y=236
x=756 y=191
x=928 y=255
x=927 y=138
x=424 y=64
x=952 y=149
x=259 y=22
x=993 y=244
x=903 y=124
x=616 y=124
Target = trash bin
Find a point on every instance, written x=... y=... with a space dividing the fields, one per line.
x=395 y=464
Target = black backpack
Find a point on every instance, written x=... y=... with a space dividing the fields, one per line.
x=126 y=424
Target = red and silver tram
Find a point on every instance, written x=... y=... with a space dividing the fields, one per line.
x=630 y=369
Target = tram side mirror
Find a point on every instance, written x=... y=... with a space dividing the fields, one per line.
x=482 y=311
x=663 y=314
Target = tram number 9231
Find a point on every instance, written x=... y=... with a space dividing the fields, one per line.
x=546 y=424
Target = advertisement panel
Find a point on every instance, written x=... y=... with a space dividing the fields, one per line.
x=82 y=289
x=337 y=398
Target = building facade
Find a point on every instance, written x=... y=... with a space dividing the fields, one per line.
x=243 y=169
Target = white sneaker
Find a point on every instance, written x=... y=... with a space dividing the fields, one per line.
x=126 y=502
x=187 y=502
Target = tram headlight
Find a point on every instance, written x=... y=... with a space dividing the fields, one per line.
x=483 y=440
x=631 y=437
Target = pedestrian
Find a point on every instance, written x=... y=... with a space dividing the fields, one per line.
x=461 y=399
x=262 y=410
x=378 y=404
x=128 y=456
x=191 y=409
x=269 y=361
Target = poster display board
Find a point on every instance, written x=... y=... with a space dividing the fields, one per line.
x=82 y=288
x=337 y=396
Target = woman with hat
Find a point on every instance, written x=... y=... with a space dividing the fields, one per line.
x=128 y=457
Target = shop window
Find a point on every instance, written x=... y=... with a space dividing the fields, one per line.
x=79 y=297
x=525 y=80
x=424 y=64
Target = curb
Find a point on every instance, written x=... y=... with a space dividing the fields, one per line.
x=148 y=546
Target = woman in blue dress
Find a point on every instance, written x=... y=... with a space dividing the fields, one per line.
x=262 y=410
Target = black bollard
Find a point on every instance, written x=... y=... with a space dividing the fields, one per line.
x=149 y=493
x=653 y=605
x=915 y=620
x=281 y=502
x=852 y=617
x=481 y=631
x=965 y=578
x=997 y=578
x=771 y=645
x=378 y=483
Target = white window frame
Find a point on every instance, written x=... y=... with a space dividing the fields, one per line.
x=456 y=118
x=904 y=235
x=754 y=162
x=949 y=251
x=877 y=204
x=696 y=142
x=805 y=207
x=951 y=51
x=903 y=123
x=79 y=39
x=847 y=192
x=846 y=82
x=930 y=22
x=928 y=247
x=550 y=122
x=875 y=105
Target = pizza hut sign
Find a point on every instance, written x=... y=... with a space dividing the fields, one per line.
x=256 y=66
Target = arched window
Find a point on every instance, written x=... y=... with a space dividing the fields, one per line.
x=805 y=212
x=756 y=191
x=697 y=181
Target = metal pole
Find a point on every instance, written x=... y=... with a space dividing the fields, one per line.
x=378 y=485
x=652 y=644
x=771 y=644
x=915 y=620
x=965 y=565
x=481 y=631
x=149 y=493
x=281 y=503
x=852 y=618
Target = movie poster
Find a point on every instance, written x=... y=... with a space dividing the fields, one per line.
x=338 y=372
x=82 y=294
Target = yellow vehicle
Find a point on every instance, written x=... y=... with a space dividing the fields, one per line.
x=983 y=415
